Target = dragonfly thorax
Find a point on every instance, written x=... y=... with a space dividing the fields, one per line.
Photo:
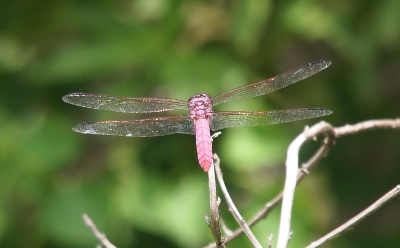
x=200 y=106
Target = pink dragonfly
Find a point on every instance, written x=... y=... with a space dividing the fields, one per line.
x=201 y=118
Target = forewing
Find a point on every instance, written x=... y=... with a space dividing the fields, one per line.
x=272 y=84
x=139 y=128
x=222 y=120
x=122 y=104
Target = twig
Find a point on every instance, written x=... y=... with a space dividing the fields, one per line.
x=100 y=236
x=331 y=133
x=213 y=223
x=367 y=125
x=323 y=127
x=375 y=206
x=292 y=166
x=239 y=219
x=288 y=192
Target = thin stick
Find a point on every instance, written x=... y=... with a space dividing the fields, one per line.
x=323 y=128
x=375 y=206
x=288 y=192
x=331 y=133
x=367 y=125
x=232 y=208
x=213 y=223
x=292 y=166
x=100 y=236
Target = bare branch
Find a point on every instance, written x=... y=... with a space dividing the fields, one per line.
x=330 y=133
x=292 y=166
x=288 y=192
x=100 y=236
x=375 y=206
x=232 y=208
x=213 y=223
x=366 y=126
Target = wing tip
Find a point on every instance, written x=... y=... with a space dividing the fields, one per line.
x=67 y=98
x=324 y=63
x=324 y=111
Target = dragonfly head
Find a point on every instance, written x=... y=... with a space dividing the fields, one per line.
x=200 y=106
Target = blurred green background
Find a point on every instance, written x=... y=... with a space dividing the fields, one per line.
x=150 y=192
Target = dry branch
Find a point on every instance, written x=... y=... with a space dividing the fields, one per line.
x=331 y=135
x=100 y=236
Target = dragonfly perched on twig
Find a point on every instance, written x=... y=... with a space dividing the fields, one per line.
x=201 y=117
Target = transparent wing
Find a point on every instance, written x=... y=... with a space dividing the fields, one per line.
x=139 y=128
x=272 y=84
x=122 y=104
x=222 y=120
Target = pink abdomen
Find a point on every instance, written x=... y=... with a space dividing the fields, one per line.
x=203 y=143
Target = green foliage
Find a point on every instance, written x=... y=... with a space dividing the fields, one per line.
x=150 y=192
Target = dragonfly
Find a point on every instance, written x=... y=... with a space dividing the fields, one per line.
x=201 y=118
